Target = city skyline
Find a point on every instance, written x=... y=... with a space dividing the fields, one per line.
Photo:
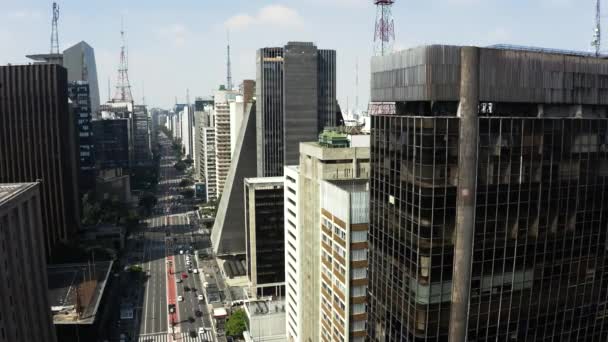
x=180 y=37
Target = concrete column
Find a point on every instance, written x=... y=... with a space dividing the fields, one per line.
x=465 y=201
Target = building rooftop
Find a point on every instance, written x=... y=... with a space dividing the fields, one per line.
x=264 y=180
x=351 y=185
x=10 y=190
x=266 y=307
x=80 y=283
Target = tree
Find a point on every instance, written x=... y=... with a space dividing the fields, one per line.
x=188 y=193
x=185 y=182
x=237 y=323
x=147 y=201
x=180 y=166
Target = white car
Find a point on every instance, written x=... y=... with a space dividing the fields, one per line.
x=201 y=298
x=181 y=251
x=180 y=298
x=195 y=271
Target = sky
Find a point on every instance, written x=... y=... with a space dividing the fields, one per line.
x=181 y=44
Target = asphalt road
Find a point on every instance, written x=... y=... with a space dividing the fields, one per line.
x=168 y=228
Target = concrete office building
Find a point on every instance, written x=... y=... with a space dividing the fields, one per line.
x=228 y=233
x=25 y=313
x=140 y=130
x=264 y=235
x=222 y=100
x=487 y=195
x=344 y=226
x=296 y=98
x=38 y=142
x=303 y=226
x=79 y=95
x=208 y=162
x=79 y=60
x=112 y=143
x=187 y=122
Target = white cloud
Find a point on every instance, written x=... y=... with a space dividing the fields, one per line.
x=177 y=34
x=277 y=15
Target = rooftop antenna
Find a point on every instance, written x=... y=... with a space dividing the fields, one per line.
x=109 y=90
x=357 y=84
x=597 y=33
x=54 y=31
x=384 y=36
x=123 y=87
x=228 y=66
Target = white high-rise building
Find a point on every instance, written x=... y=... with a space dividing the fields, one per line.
x=186 y=130
x=208 y=162
x=303 y=229
x=223 y=150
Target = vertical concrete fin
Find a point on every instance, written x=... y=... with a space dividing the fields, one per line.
x=465 y=201
x=228 y=233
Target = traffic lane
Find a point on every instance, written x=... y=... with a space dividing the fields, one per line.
x=190 y=305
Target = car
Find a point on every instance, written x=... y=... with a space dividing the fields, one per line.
x=179 y=280
x=184 y=275
x=189 y=270
x=186 y=288
x=181 y=251
x=192 y=333
x=201 y=297
x=198 y=313
x=180 y=298
x=195 y=271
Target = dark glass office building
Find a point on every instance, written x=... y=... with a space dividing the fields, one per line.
x=81 y=104
x=112 y=137
x=296 y=99
x=488 y=209
x=38 y=142
x=264 y=234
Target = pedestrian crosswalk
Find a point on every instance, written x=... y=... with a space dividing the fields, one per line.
x=180 y=337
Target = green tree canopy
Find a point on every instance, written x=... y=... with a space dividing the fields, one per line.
x=147 y=201
x=237 y=323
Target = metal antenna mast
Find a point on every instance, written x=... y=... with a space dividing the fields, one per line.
x=54 y=31
x=384 y=36
x=356 y=84
x=123 y=87
x=597 y=33
x=228 y=66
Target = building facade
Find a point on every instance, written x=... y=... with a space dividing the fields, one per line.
x=79 y=60
x=296 y=98
x=208 y=162
x=303 y=226
x=487 y=210
x=38 y=142
x=223 y=151
x=142 y=145
x=25 y=311
x=79 y=93
x=112 y=143
x=264 y=235
x=344 y=226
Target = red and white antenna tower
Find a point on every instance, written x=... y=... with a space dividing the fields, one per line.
x=384 y=36
x=123 y=87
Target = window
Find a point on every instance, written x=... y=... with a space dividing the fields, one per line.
x=358 y=326
x=358 y=273
x=358 y=254
x=358 y=236
x=358 y=291
x=358 y=308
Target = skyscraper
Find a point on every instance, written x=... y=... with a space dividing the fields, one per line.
x=487 y=210
x=296 y=97
x=264 y=234
x=81 y=103
x=79 y=60
x=25 y=311
x=303 y=270
x=38 y=142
